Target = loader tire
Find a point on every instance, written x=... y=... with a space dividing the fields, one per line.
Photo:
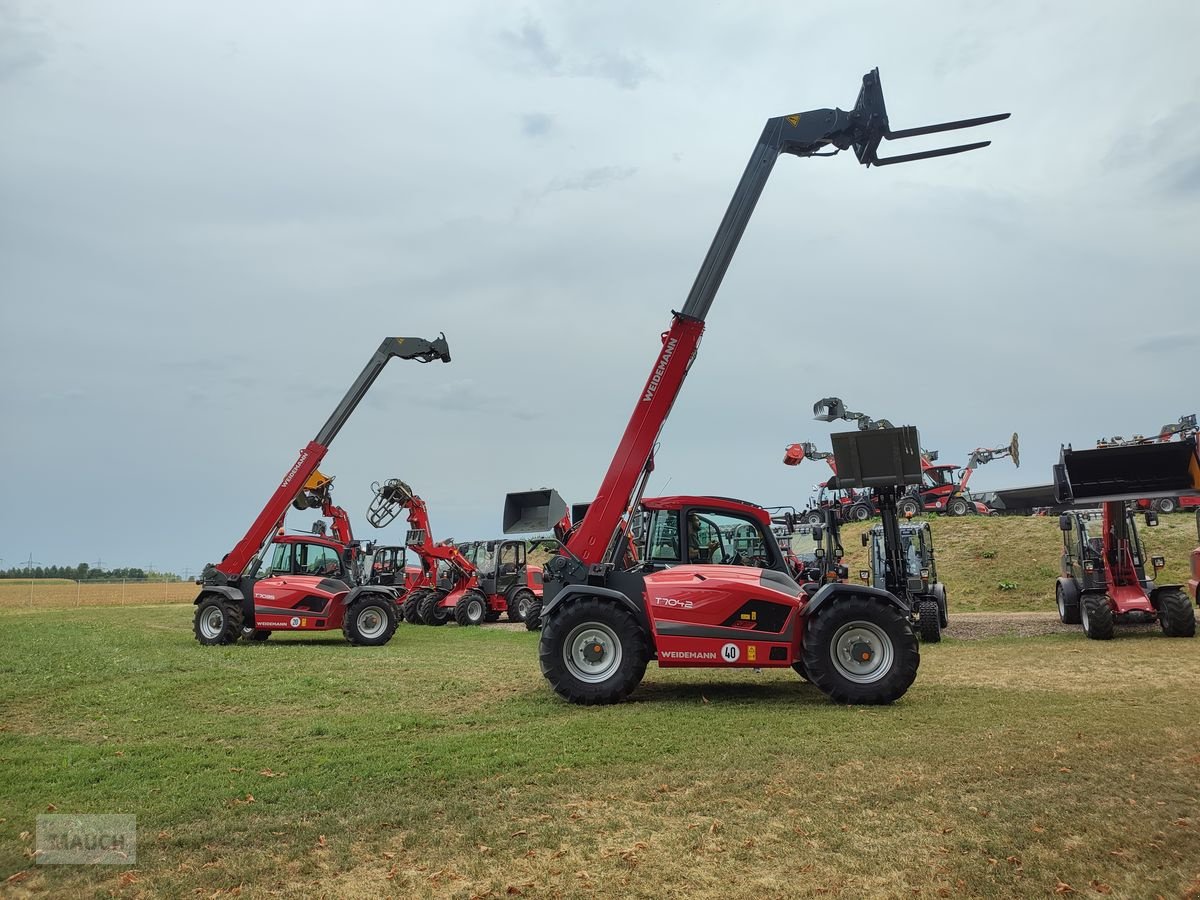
x=859 y=512
x=859 y=650
x=533 y=615
x=929 y=623
x=958 y=506
x=1066 y=595
x=410 y=609
x=471 y=608
x=518 y=604
x=1166 y=505
x=370 y=620
x=1096 y=617
x=1175 y=613
x=908 y=506
x=593 y=651
x=430 y=611
x=814 y=517
x=218 y=621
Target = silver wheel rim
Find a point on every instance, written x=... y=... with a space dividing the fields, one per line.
x=522 y=605
x=854 y=640
x=475 y=610
x=592 y=652
x=212 y=622
x=1084 y=618
x=1062 y=605
x=370 y=622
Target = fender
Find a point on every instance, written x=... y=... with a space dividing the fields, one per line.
x=830 y=592
x=588 y=590
x=230 y=593
x=1163 y=587
x=380 y=589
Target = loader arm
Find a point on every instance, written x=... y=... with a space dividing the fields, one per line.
x=819 y=132
x=271 y=516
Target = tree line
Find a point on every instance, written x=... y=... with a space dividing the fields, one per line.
x=84 y=572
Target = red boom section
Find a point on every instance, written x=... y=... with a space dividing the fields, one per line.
x=272 y=514
x=591 y=540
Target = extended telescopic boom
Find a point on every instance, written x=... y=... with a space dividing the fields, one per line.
x=818 y=132
x=310 y=457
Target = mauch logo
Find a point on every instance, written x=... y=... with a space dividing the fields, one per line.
x=660 y=369
x=86 y=840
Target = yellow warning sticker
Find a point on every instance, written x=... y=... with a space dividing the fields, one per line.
x=795 y=120
x=751 y=653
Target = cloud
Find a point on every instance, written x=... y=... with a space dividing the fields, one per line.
x=22 y=45
x=1169 y=343
x=536 y=125
x=532 y=50
x=590 y=180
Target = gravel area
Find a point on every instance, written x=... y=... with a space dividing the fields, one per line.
x=973 y=626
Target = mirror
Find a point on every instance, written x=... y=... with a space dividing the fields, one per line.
x=865 y=539
x=1064 y=522
x=817 y=534
x=1151 y=518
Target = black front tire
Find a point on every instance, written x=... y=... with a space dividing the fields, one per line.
x=430 y=612
x=593 y=651
x=1166 y=505
x=859 y=513
x=533 y=615
x=929 y=621
x=1175 y=613
x=1096 y=617
x=410 y=609
x=471 y=608
x=858 y=650
x=370 y=620
x=1066 y=596
x=218 y=621
x=254 y=635
x=958 y=507
x=518 y=604
x=908 y=506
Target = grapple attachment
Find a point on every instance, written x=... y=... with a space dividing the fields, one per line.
x=533 y=512
x=880 y=458
x=829 y=409
x=1127 y=472
x=391 y=498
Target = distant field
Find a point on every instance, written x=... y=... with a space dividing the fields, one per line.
x=45 y=593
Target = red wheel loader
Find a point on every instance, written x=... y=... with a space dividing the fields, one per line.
x=602 y=623
x=306 y=584
x=1104 y=581
x=469 y=587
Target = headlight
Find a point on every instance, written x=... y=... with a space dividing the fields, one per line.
x=864 y=574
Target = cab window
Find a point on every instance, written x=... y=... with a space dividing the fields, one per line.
x=279 y=560
x=662 y=537
x=317 y=559
x=724 y=538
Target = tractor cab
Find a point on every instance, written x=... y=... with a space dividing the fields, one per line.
x=389 y=566
x=707 y=531
x=299 y=555
x=910 y=573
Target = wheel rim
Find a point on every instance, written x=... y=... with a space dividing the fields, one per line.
x=522 y=605
x=592 y=652
x=475 y=610
x=862 y=652
x=1062 y=605
x=371 y=622
x=1167 y=506
x=1084 y=618
x=212 y=622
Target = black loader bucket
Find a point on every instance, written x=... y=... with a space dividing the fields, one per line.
x=876 y=459
x=1127 y=472
x=533 y=512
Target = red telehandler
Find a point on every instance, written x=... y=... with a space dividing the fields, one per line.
x=1104 y=580
x=456 y=585
x=307 y=584
x=603 y=623
x=850 y=505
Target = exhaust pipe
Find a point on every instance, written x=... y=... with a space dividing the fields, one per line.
x=532 y=512
x=1127 y=472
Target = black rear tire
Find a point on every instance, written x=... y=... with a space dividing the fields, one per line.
x=814 y=517
x=859 y=512
x=1175 y=613
x=908 y=506
x=1096 y=617
x=858 y=650
x=430 y=611
x=593 y=651
x=218 y=621
x=518 y=604
x=1066 y=596
x=471 y=608
x=1166 y=505
x=958 y=506
x=370 y=620
x=929 y=621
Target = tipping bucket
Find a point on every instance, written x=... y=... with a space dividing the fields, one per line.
x=880 y=458
x=532 y=512
x=1127 y=472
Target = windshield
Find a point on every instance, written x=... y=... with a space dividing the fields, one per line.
x=910 y=545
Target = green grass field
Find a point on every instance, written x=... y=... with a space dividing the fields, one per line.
x=441 y=766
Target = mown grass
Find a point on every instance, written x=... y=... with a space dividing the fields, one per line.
x=441 y=766
x=1010 y=563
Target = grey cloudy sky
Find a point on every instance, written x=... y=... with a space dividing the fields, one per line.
x=211 y=213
